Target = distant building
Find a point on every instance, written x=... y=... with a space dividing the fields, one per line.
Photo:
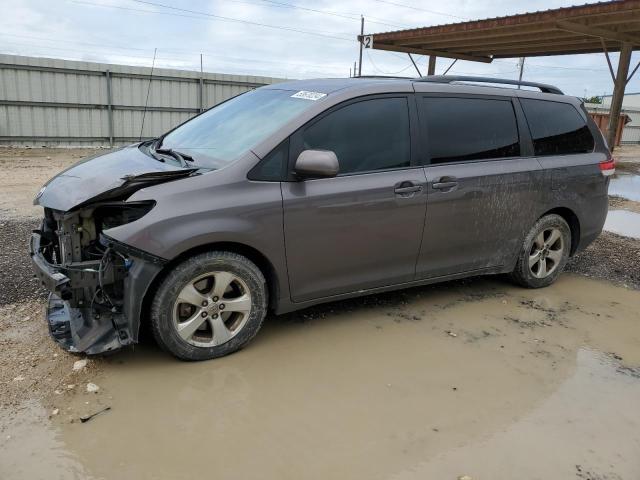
x=630 y=107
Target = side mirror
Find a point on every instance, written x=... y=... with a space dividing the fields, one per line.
x=317 y=164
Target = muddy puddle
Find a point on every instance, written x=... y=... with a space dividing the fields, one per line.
x=625 y=186
x=623 y=223
x=475 y=378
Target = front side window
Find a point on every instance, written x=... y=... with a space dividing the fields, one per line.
x=273 y=167
x=466 y=129
x=222 y=134
x=556 y=128
x=365 y=136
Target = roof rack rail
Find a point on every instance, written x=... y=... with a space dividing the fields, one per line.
x=393 y=77
x=463 y=78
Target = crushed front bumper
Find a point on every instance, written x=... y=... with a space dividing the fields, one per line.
x=76 y=325
x=76 y=331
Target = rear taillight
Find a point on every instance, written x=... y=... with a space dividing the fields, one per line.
x=608 y=166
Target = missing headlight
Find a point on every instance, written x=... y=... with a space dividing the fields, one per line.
x=111 y=215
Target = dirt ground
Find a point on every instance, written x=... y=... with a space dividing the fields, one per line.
x=469 y=379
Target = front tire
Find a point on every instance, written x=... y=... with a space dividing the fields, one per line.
x=208 y=306
x=544 y=253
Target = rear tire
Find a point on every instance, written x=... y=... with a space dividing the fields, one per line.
x=544 y=253
x=208 y=306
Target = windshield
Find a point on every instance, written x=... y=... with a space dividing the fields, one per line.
x=220 y=135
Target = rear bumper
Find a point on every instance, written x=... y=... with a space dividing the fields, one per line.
x=77 y=326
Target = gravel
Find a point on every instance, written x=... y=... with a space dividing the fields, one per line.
x=611 y=257
x=17 y=282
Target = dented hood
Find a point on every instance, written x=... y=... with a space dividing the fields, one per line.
x=104 y=176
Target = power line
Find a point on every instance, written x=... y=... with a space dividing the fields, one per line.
x=212 y=16
x=421 y=9
x=238 y=20
x=106 y=51
x=173 y=14
x=346 y=15
x=382 y=71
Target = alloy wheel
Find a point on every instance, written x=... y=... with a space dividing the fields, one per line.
x=211 y=309
x=546 y=252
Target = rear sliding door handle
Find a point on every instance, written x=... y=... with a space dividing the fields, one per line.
x=445 y=183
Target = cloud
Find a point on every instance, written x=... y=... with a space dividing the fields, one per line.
x=124 y=31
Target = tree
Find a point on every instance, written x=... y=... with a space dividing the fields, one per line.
x=594 y=99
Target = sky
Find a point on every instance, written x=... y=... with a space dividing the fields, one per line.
x=275 y=38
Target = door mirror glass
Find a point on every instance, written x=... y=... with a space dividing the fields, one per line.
x=317 y=164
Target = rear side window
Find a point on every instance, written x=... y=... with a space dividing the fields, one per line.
x=556 y=128
x=463 y=129
x=365 y=136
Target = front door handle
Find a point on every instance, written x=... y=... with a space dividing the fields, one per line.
x=406 y=189
x=445 y=183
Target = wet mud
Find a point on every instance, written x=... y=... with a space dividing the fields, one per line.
x=476 y=378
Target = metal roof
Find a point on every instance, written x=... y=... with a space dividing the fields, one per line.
x=562 y=31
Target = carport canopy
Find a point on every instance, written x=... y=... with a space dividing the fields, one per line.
x=594 y=28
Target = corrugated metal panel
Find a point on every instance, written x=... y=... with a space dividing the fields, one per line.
x=127 y=123
x=52 y=122
x=76 y=97
x=631 y=134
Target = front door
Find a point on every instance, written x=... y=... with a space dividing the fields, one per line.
x=361 y=229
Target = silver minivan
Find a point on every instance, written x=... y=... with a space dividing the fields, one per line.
x=313 y=191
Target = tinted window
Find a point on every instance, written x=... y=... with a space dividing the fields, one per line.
x=556 y=128
x=365 y=136
x=273 y=166
x=461 y=129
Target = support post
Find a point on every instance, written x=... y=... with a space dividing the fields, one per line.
x=361 y=45
x=618 y=93
x=107 y=74
x=415 y=65
x=606 y=54
x=450 y=66
x=432 y=65
x=521 y=66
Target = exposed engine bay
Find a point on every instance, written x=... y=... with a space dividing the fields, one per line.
x=89 y=274
x=97 y=284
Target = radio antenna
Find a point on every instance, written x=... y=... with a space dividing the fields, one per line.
x=146 y=102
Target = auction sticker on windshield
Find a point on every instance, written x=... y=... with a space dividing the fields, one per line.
x=309 y=95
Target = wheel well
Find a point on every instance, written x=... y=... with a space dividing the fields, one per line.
x=252 y=254
x=573 y=222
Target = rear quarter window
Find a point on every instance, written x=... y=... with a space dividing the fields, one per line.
x=556 y=128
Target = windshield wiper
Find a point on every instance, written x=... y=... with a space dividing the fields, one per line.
x=181 y=157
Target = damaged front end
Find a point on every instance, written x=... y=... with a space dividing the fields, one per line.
x=96 y=283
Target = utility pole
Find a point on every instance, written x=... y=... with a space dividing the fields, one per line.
x=361 y=45
x=521 y=67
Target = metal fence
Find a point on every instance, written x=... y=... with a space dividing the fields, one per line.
x=631 y=130
x=54 y=102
